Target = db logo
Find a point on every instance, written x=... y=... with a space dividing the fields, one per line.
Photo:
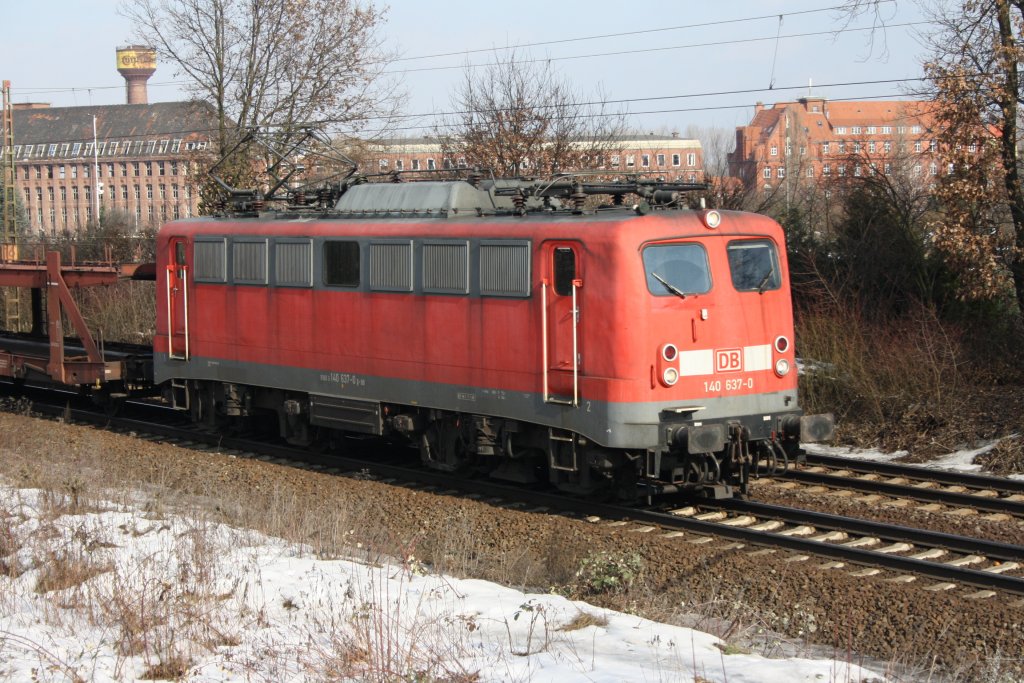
x=728 y=360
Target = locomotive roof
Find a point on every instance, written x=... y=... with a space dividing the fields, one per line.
x=419 y=198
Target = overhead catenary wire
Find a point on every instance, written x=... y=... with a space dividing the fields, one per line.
x=616 y=53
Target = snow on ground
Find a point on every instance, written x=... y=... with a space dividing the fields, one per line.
x=110 y=592
x=959 y=461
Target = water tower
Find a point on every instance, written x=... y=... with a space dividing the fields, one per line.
x=136 y=63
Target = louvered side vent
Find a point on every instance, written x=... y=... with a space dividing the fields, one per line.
x=210 y=262
x=505 y=269
x=293 y=264
x=249 y=261
x=391 y=266
x=446 y=267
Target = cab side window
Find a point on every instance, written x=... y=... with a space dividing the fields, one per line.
x=565 y=270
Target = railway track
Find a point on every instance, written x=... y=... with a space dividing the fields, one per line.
x=932 y=487
x=863 y=548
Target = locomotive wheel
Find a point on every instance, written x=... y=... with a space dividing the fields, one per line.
x=443 y=448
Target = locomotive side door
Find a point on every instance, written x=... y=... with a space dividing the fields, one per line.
x=561 y=282
x=177 y=299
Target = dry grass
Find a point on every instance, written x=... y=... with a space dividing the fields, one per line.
x=60 y=571
x=585 y=620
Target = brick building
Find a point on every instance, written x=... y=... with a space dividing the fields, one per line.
x=674 y=157
x=139 y=162
x=813 y=138
x=76 y=164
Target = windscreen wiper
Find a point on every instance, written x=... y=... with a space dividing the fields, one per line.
x=669 y=286
x=764 y=281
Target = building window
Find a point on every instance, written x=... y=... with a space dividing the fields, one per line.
x=887 y=146
x=39 y=195
x=124 y=169
x=615 y=160
x=88 y=193
x=886 y=130
x=841 y=130
x=871 y=147
x=933 y=146
x=826 y=169
x=383 y=164
x=691 y=159
x=781 y=172
x=917 y=146
x=917 y=169
x=174 y=168
x=855 y=130
x=885 y=169
x=149 y=191
x=842 y=147
x=174 y=191
x=399 y=166
x=461 y=161
x=149 y=168
x=916 y=130
x=64 y=215
x=135 y=168
x=137 y=194
x=64 y=194
x=446 y=163
x=124 y=192
x=60 y=171
x=871 y=130
x=645 y=160
x=933 y=169
x=675 y=159
x=431 y=165
x=842 y=169
x=630 y=161
x=949 y=169
x=825 y=148
x=415 y=164
x=774 y=151
x=856 y=170
x=49 y=192
x=767 y=172
x=972 y=148
x=810 y=171
x=110 y=170
x=856 y=148
x=160 y=165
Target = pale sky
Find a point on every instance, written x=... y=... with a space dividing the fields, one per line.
x=62 y=52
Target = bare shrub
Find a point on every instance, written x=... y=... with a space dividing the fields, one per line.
x=907 y=372
x=61 y=570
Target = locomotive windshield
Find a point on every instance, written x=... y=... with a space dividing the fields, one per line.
x=677 y=269
x=754 y=265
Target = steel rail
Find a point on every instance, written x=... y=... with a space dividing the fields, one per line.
x=562 y=503
x=974 y=481
x=994 y=550
x=954 y=498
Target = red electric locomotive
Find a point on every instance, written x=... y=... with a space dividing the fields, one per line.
x=639 y=349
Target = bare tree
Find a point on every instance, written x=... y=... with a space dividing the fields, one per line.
x=519 y=116
x=273 y=62
x=974 y=68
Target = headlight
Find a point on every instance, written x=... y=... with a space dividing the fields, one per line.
x=712 y=219
x=669 y=352
x=781 y=344
x=782 y=367
x=670 y=376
